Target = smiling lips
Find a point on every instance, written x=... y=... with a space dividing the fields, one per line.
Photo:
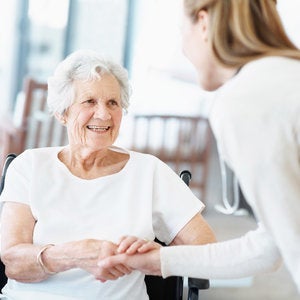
x=98 y=128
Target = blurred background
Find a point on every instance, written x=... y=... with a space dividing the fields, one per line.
x=142 y=35
x=168 y=111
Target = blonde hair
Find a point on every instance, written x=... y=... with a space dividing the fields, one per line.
x=243 y=30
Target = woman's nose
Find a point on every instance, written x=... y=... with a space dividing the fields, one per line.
x=102 y=112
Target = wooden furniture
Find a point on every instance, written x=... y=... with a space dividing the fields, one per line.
x=183 y=142
x=31 y=125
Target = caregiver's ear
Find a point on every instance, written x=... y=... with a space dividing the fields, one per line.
x=203 y=23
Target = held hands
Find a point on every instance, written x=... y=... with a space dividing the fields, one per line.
x=133 y=245
x=132 y=253
x=91 y=251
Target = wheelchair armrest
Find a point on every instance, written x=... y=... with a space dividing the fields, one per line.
x=197 y=283
x=194 y=285
x=9 y=158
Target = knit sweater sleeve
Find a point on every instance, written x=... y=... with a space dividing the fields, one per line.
x=251 y=254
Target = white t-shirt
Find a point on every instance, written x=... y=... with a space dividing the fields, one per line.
x=145 y=199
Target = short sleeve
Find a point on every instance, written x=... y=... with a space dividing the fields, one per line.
x=174 y=204
x=16 y=188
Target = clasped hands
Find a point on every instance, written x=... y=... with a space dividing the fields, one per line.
x=131 y=253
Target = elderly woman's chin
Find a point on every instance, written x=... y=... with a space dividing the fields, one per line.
x=100 y=142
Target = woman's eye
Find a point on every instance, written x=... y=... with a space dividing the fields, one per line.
x=113 y=102
x=90 y=101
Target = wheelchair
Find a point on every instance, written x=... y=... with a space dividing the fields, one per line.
x=158 y=288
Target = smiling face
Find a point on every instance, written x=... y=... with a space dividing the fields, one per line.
x=94 y=119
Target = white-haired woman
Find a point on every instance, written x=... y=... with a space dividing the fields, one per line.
x=240 y=49
x=66 y=207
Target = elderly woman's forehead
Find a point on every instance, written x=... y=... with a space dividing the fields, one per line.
x=103 y=80
x=104 y=84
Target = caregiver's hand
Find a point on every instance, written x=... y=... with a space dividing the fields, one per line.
x=132 y=245
x=135 y=254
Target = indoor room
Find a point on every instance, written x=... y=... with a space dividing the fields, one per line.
x=168 y=112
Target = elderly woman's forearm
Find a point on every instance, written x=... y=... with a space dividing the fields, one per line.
x=22 y=264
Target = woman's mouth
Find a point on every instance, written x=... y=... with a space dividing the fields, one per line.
x=98 y=128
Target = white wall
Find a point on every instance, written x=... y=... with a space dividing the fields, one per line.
x=163 y=79
x=289 y=11
x=101 y=26
x=8 y=42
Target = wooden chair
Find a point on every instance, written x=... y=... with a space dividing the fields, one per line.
x=31 y=125
x=183 y=142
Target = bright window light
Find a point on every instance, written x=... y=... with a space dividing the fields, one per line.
x=53 y=14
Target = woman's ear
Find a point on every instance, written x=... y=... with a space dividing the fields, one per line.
x=61 y=118
x=203 y=22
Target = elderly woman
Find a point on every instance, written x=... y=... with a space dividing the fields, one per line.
x=240 y=49
x=66 y=207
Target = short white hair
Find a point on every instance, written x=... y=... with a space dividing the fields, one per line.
x=83 y=65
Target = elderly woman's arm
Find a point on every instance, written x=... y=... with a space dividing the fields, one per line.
x=196 y=232
x=19 y=254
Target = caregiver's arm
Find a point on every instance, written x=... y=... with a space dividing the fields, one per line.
x=249 y=255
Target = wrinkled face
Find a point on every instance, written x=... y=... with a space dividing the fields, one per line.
x=94 y=119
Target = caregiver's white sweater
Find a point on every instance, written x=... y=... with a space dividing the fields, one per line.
x=256 y=121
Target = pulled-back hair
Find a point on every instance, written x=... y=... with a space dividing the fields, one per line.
x=82 y=65
x=243 y=30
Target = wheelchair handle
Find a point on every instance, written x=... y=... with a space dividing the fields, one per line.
x=186 y=176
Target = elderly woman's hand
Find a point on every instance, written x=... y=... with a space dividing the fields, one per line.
x=127 y=246
x=91 y=251
x=147 y=262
